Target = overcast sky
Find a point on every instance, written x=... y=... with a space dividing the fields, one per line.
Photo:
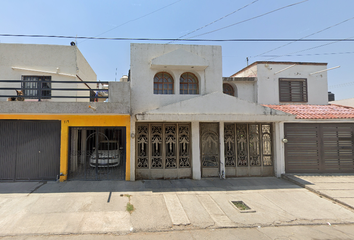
x=206 y=19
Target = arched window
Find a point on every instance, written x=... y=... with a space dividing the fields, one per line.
x=163 y=83
x=228 y=89
x=188 y=84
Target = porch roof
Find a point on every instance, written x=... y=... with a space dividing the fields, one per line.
x=215 y=106
x=303 y=111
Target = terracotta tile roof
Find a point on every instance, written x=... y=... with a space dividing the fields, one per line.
x=316 y=111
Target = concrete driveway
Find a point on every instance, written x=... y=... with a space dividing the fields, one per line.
x=337 y=187
x=77 y=207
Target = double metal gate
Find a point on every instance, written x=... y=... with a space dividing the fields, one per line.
x=30 y=150
x=97 y=153
x=319 y=148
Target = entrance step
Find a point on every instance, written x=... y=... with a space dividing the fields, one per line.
x=174 y=207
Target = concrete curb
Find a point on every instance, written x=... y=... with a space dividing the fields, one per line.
x=290 y=179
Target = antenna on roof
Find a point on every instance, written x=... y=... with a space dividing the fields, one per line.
x=247 y=60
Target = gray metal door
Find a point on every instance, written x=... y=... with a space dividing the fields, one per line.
x=30 y=150
x=319 y=148
x=210 y=153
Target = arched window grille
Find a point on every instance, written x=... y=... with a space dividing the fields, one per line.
x=188 y=84
x=228 y=89
x=163 y=83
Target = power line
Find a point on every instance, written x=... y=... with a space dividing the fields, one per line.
x=340 y=40
x=217 y=20
x=334 y=40
x=309 y=54
x=306 y=36
x=249 y=19
x=341 y=85
x=137 y=18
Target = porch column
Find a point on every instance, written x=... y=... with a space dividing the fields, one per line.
x=222 y=150
x=279 y=154
x=196 y=170
x=132 y=136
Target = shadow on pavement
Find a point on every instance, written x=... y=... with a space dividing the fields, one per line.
x=210 y=184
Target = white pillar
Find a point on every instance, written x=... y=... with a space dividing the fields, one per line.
x=279 y=154
x=196 y=170
x=132 y=136
x=222 y=150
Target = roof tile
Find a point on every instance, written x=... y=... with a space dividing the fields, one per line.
x=303 y=111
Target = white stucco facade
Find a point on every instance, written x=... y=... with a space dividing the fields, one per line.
x=61 y=63
x=210 y=105
x=267 y=76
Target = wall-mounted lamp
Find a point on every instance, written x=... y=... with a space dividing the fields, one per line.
x=284 y=140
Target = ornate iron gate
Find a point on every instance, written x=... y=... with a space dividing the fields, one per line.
x=97 y=153
x=163 y=151
x=210 y=157
x=248 y=149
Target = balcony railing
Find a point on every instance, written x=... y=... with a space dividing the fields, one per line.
x=43 y=89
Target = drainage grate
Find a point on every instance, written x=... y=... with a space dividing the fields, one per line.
x=242 y=207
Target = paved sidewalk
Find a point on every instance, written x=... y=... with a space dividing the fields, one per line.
x=337 y=187
x=77 y=207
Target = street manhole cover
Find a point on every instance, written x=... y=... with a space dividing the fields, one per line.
x=242 y=207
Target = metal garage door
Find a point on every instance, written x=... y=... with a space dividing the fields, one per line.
x=319 y=148
x=30 y=150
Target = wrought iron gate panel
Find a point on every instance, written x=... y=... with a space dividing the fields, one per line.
x=97 y=153
x=254 y=145
x=143 y=146
x=170 y=146
x=184 y=146
x=242 y=143
x=229 y=141
x=248 y=149
x=267 y=145
x=32 y=149
x=210 y=153
x=163 y=151
x=156 y=146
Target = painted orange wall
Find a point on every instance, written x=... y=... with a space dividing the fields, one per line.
x=79 y=121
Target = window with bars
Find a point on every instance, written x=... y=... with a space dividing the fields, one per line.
x=37 y=87
x=292 y=89
x=188 y=84
x=163 y=83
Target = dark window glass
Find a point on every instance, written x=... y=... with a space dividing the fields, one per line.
x=188 y=84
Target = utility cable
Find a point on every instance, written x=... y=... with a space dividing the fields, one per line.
x=305 y=37
x=217 y=20
x=333 y=40
x=249 y=19
x=307 y=49
x=309 y=54
x=137 y=18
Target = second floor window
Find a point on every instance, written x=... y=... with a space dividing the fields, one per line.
x=163 y=83
x=188 y=84
x=292 y=89
x=37 y=87
x=228 y=89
